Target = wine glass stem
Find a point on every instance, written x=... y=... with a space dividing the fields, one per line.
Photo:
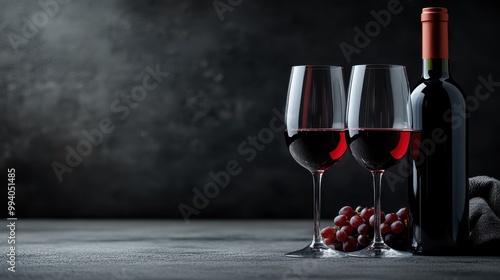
x=378 y=241
x=317 y=175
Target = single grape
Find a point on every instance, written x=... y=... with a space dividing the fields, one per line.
x=328 y=232
x=403 y=213
x=363 y=229
x=371 y=221
x=364 y=214
x=363 y=240
x=341 y=236
x=389 y=239
x=347 y=210
x=359 y=209
x=347 y=228
x=397 y=227
x=385 y=228
x=328 y=241
x=349 y=244
x=341 y=220
x=391 y=218
x=356 y=221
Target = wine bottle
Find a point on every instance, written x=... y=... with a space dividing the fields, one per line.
x=438 y=194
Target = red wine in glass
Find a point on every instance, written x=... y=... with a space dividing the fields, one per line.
x=316 y=149
x=378 y=149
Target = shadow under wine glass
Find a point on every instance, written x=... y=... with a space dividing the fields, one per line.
x=379 y=127
x=315 y=135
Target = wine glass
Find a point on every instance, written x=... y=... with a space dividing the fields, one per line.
x=379 y=126
x=315 y=134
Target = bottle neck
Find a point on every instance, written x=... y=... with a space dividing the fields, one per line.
x=435 y=68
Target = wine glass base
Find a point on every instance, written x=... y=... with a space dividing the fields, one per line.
x=317 y=250
x=380 y=251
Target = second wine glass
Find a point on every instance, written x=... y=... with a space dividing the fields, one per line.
x=378 y=132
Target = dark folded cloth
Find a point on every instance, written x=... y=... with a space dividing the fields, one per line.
x=484 y=215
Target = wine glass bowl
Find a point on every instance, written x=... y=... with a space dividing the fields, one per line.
x=315 y=135
x=379 y=127
x=316 y=149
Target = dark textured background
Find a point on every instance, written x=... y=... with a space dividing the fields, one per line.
x=225 y=78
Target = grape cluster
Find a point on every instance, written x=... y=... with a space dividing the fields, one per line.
x=353 y=229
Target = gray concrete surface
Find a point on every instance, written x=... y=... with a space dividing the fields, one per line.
x=133 y=249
